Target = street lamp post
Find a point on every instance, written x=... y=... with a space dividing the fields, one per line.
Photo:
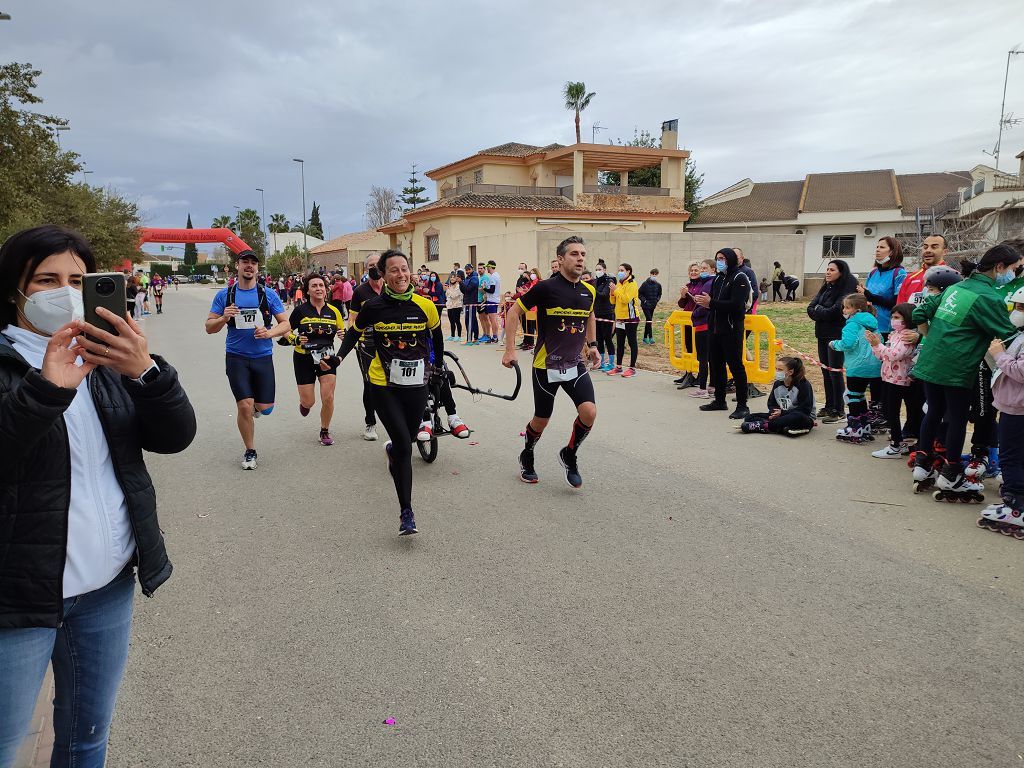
x=302 y=168
x=56 y=134
x=266 y=225
x=84 y=172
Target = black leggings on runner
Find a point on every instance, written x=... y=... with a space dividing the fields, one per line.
x=605 y=345
x=621 y=334
x=364 y=361
x=580 y=389
x=400 y=410
x=953 y=404
x=455 y=320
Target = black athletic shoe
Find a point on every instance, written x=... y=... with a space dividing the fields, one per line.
x=526 y=471
x=753 y=391
x=572 y=474
x=249 y=460
x=407 y=525
x=714 y=405
x=741 y=412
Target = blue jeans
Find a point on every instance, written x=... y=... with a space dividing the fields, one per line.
x=89 y=651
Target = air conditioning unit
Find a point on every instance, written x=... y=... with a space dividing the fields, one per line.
x=801 y=231
x=869 y=230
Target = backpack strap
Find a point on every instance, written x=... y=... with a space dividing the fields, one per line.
x=263 y=304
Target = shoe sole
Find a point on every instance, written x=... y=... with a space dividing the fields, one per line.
x=574 y=487
x=527 y=480
x=407 y=532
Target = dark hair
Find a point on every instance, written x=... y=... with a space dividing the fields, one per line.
x=1017 y=243
x=310 y=278
x=796 y=365
x=846 y=283
x=998 y=254
x=564 y=245
x=895 y=250
x=732 y=259
x=627 y=266
x=906 y=311
x=437 y=277
x=858 y=302
x=382 y=264
x=938 y=234
x=655 y=271
x=23 y=252
x=777 y=264
x=600 y=263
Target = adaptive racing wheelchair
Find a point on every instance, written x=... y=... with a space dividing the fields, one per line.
x=440 y=373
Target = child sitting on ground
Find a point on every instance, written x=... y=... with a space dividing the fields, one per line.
x=897 y=356
x=790 y=402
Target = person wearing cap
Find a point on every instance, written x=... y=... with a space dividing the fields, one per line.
x=492 y=302
x=247 y=309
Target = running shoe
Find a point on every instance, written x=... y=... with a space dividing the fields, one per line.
x=629 y=373
x=702 y=394
x=484 y=340
x=325 y=438
x=526 y=471
x=714 y=405
x=249 y=460
x=304 y=410
x=407 y=524
x=823 y=412
x=255 y=412
x=567 y=459
x=741 y=412
x=832 y=417
x=607 y=367
x=425 y=432
x=370 y=432
x=458 y=427
x=891 y=452
x=616 y=371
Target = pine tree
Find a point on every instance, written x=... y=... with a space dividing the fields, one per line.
x=191 y=252
x=412 y=194
x=315 y=228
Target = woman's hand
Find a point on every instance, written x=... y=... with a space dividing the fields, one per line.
x=59 y=366
x=873 y=338
x=703 y=300
x=996 y=348
x=303 y=340
x=683 y=291
x=860 y=289
x=127 y=352
x=775 y=414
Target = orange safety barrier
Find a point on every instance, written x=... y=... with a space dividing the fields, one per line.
x=764 y=350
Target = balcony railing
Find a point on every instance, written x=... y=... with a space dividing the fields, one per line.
x=945 y=204
x=1008 y=182
x=615 y=189
x=507 y=189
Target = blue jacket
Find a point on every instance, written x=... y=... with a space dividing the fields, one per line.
x=860 y=360
x=881 y=289
x=470 y=287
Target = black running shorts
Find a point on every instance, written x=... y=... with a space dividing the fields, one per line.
x=307 y=372
x=580 y=389
x=251 y=377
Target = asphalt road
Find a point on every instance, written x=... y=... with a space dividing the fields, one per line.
x=707 y=598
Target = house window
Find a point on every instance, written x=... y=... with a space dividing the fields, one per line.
x=478 y=176
x=458 y=181
x=841 y=246
x=433 y=248
x=472 y=255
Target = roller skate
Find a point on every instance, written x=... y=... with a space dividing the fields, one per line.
x=977 y=468
x=879 y=424
x=754 y=425
x=952 y=485
x=856 y=431
x=1005 y=517
x=925 y=471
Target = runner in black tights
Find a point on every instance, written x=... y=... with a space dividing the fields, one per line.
x=403 y=326
x=364 y=351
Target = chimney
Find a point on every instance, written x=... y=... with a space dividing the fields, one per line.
x=670 y=134
x=1020 y=171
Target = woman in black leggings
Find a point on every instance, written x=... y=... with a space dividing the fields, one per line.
x=625 y=297
x=404 y=326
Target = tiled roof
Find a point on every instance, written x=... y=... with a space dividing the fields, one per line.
x=345 y=241
x=853 y=191
x=515 y=149
x=770 y=201
x=516 y=202
x=921 y=190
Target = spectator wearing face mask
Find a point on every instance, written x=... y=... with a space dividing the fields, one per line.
x=790 y=403
x=701 y=278
x=650 y=295
x=604 y=311
x=625 y=298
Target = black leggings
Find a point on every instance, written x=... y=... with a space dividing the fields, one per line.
x=649 y=325
x=400 y=410
x=953 y=404
x=835 y=387
x=364 y=359
x=472 y=326
x=528 y=331
x=895 y=397
x=621 y=334
x=455 y=320
x=605 y=345
x=983 y=413
x=784 y=422
x=776 y=290
x=726 y=349
x=701 y=342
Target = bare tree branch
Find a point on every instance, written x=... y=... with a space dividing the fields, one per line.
x=380 y=208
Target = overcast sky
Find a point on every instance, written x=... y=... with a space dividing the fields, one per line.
x=188 y=106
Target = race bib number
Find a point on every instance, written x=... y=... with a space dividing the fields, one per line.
x=319 y=354
x=918 y=298
x=246 y=318
x=555 y=375
x=620 y=326
x=407 y=373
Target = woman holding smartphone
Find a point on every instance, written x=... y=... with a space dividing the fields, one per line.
x=75 y=414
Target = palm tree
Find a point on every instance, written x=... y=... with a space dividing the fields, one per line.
x=278 y=223
x=576 y=100
x=222 y=222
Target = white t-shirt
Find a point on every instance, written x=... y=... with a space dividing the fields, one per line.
x=494 y=279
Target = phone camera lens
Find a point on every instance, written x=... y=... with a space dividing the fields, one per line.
x=105 y=287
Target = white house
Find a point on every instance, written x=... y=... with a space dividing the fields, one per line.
x=278 y=241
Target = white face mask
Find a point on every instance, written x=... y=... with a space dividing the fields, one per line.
x=1017 y=318
x=47 y=311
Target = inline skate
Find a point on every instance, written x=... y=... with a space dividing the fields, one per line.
x=856 y=431
x=926 y=469
x=982 y=467
x=1005 y=517
x=952 y=485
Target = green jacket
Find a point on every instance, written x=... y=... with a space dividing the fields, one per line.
x=962 y=322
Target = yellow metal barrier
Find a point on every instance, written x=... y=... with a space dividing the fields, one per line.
x=761 y=344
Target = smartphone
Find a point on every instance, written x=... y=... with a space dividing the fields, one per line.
x=107 y=290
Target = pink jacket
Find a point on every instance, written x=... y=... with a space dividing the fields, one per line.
x=1008 y=386
x=897 y=359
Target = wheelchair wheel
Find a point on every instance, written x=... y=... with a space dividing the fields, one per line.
x=428 y=450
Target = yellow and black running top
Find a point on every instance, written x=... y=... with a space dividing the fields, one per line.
x=319 y=327
x=563 y=309
x=406 y=339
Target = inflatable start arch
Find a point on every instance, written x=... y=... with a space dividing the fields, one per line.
x=225 y=236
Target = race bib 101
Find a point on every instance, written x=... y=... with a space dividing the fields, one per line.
x=407 y=373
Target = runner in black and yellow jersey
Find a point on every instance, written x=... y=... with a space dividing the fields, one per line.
x=406 y=330
x=315 y=325
x=565 y=319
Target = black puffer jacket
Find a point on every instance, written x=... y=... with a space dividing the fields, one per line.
x=826 y=308
x=35 y=483
x=730 y=293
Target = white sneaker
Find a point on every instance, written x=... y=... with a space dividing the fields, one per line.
x=370 y=433
x=458 y=427
x=425 y=432
x=890 y=452
x=249 y=460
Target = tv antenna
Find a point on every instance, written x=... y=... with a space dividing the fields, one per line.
x=1006 y=119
